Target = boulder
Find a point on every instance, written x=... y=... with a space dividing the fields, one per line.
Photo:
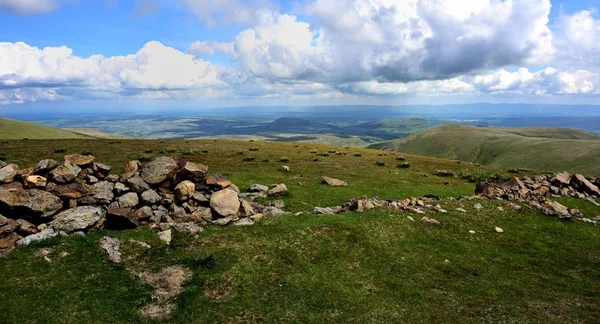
x=582 y=184
x=258 y=188
x=128 y=200
x=130 y=169
x=120 y=219
x=193 y=172
x=225 y=202
x=556 y=208
x=150 y=197
x=77 y=219
x=218 y=181
x=45 y=166
x=185 y=190
x=65 y=173
x=160 y=169
x=247 y=210
x=8 y=173
x=9 y=240
x=79 y=160
x=10 y=226
x=103 y=192
x=42 y=235
x=29 y=203
x=137 y=184
x=111 y=247
x=26 y=228
x=35 y=181
x=333 y=182
x=561 y=179
x=72 y=190
x=279 y=189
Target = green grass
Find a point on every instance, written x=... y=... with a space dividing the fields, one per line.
x=374 y=267
x=538 y=148
x=14 y=129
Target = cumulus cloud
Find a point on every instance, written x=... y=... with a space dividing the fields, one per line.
x=209 y=48
x=578 y=39
x=28 y=7
x=226 y=12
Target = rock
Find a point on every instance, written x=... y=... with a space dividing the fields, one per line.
x=141 y=244
x=111 y=247
x=103 y=192
x=472 y=232
x=247 y=210
x=121 y=188
x=576 y=213
x=120 y=219
x=514 y=206
x=333 y=182
x=112 y=178
x=91 y=179
x=137 y=184
x=279 y=189
x=430 y=220
x=29 y=203
x=561 y=179
x=79 y=160
x=199 y=197
x=159 y=170
x=35 y=181
x=461 y=210
x=256 y=217
x=556 y=208
x=77 y=219
x=128 y=200
x=185 y=190
x=3 y=164
x=150 y=197
x=65 y=173
x=284 y=168
x=8 y=173
x=224 y=221
x=10 y=226
x=9 y=240
x=42 y=235
x=243 y=222
x=498 y=230
x=218 y=181
x=273 y=211
x=324 y=211
x=369 y=205
x=45 y=166
x=410 y=218
x=478 y=206
x=276 y=203
x=144 y=213
x=188 y=227
x=101 y=170
x=193 y=172
x=26 y=228
x=166 y=236
x=225 y=202
x=582 y=184
x=130 y=170
x=258 y=188
x=4 y=220
x=72 y=190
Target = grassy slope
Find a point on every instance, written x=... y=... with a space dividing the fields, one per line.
x=372 y=267
x=94 y=133
x=15 y=129
x=535 y=148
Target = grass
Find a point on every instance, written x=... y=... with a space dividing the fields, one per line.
x=376 y=266
x=553 y=149
x=16 y=129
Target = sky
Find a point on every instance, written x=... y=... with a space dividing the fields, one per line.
x=205 y=53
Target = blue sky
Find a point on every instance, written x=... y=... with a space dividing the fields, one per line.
x=149 y=52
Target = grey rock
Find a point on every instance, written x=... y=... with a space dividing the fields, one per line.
x=166 y=236
x=137 y=184
x=111 y=247
x=121 y=188
x=77 y=219
x=159 y=170
x=225 y=202
x=258 y=188
x=65 y=173
x=279 y=189
x=193 y=171
x=128 y=200
x=184 y=190
x=243 y=222
x=43 y=235
x=8 y=173
x=224 y=221
x=91 y=179
x=272 y=211
x=323 y=211
x=150 y=197
x=112 y=178
x=276 y=203
x=30 y=203
x=45 y=166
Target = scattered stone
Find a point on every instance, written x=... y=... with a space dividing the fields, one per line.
x=165 y=236
x=42 y=235
x=128 y=200
x=430 y=220
x=246 y=208
x=472 y=232
x=581 y=183
x=102 y=170
x=276 y=203
x=45 y=166
x=258 y=188
x=279 y=189
x=333 y=182
x=284 y=168
x=224 y=221
x=77 y=219
x=9 y=241
x=256 y=217
x=143 y=245
x=461 y=210
x=65 y=173
x=225 y=202
x=478 y=206
x=8 y=173
x=498 y=230
x=185 y=190
x=91 y=179
x=111 y=247
x=576 y=213
x=79 y=160
x=243 y=222
x=160 y=169
x=272 y=212
x=324 y=211
x=130 y=169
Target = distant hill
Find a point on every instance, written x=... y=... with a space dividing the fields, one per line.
x=15 y=129
x=540 y=148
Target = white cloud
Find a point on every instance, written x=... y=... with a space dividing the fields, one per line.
x=226 y=12
x=578 y=39
x=209 y=48
x=28 y=7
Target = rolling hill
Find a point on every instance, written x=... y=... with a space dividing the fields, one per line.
x=540 y=148
x=16 y=129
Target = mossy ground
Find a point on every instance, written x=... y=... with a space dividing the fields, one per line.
x=376 y=266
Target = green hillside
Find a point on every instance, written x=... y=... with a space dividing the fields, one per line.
x=15 y=129
x=539 y=148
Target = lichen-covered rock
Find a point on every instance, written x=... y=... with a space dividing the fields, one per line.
x=185 y=190
x=121 y=188
x=561 y=179
x=77 y=219
x=160 y=169
x=111 y=247
x=42 y=235
x=279 y=189
x=130 y=169
x=9 y=241
x=65 y=173
x=579 y=182
x=258 y=188
x=193 y=172
x=72 y=190
x=35 y=181
x=150 y=197
x=218 y=181
x=225 y=202
x=333 y=182
x=26 y=228
x=45 y=166
x=79 y=160
x=128 y=200
x=8 y=173
x=29 y=203
x=137 y=184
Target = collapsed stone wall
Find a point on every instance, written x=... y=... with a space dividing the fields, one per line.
x=81 y=195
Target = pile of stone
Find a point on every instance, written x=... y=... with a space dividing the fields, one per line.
x=81 y=195
x=423 y=205
x=537 y=191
